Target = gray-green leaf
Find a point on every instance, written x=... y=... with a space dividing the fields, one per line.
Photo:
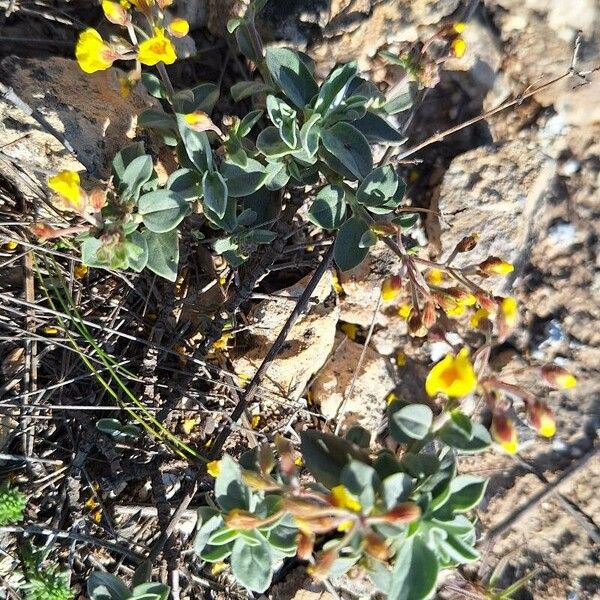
x=350 y=147
x=251 y=565
x=215 y=192
x=329 y=208
x=290 y=73
x=347 y=251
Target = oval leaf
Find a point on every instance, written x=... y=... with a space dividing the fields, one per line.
x=350 y=147
x=328 y=209
x=251 y=564
x=347 y=251
x=215 y=192
x=290 y=73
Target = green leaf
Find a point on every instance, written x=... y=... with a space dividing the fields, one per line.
x=269 y=142
x=456 y=437
x=124 y=157
x=195 y=145
x=378 y=131
x=162 y=210
x=329 y=208
x=325 y=455
x=104 y=586
x=245 y=89
x=186 y=183
x=361 y=480
x=248 y=122
x=369 y=238
x=154 y=85
x=458 y=550
x=137 y=173
x=215 y=192
x=230 y=491
x=163 y=253
x=381 y=575
x=251 y=565
x=248 y=41
x=347 y=251
x=215 y=553
x=420 y=465
x=415 y=571
x=334 y=88
x=413 y=420
x=283 y=117
x=243 y=182
x=89 y=248
x=277 y=176
x=205 y=97
x=291 y=75
x=284 y=539
x=223 y=536
x=359 y=435
x=466 y=491
x=209 y=521
x=378 y=186
x=139 y=261
x=402 y=101
x=150 y=590
x=396 y=489
x=157 y=119
x=350 y=147
x=310 y=134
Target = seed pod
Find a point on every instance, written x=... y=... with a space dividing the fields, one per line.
x=376 y=546
x=467 y=243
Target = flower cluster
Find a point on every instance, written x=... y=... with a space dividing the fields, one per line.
x=156 y=46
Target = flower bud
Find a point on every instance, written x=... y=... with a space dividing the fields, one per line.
x=486 y=301
x=391 y=288
x=376 y=546
x=43 y=231
x=467 y=243
x=320 y=570
x=383 y=228
x=541 y=418
x=200 y=121
x=115 y=13
x=407 y=512
x=306 y=544
x=415 y=325
x=558 y=378
x=504 y=432
x=467 y=298
x=429 y=315
x=458 y=47
x=258 y=482
x=318 y=525
x=97 y=199
x=241 y=519
x=178 y=28
x=495 y=266
x=507 y=317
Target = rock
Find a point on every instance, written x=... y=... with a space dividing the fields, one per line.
x=366 y=404
x=335 y=31
x=495 y=191
x=307 y=347
x=362 y=287
x=87 y=109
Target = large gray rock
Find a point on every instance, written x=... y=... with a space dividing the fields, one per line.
x=495 y=191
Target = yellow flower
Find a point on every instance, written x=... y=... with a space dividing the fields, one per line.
x=179 y=28
x=298 y=461
x=496 y=266
x=96 y=515
x=66 y=185
x=400 y=359
x=80 y=271
x=158 y=48
x=188 y=425
x=125 y=4
x=350 y=329
x=342 y=498
x=48 y=330
x=10 y=245
x=459 y=27
x=478 y=316
x=255 y=421
x=457 y=310
x=453 y=376
x=223 y=342
x=125 y=86
x=214 y=468
x=90 y=503
x=115 y=13
x=391 y=397
x=335 y=282
x=218 y=567
x=345 y=525
x=181 y=352
x=458 y=47
x=93 y=53
x=435 y=277
x=390 y=288
x=404 y=311
x=510 y=311
x=505 y=433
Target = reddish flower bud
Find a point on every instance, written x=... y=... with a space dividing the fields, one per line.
x=407 y=512
x=558 y=378
x=504 y=432
x=377 y=547
x=429 y=315
x=541 y=418
x=391 y=288
x=306 y=544
x=320 y=570
x=495 y=266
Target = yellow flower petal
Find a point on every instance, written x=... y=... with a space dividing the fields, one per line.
x=453 y=376
x=66 y=185
x=158 y=48
x=478 y=316
x=342 y=498
x=510 y=311
x=93 y=53
x=400 y=359
x=391 y=397
x=115 y=12
x=504 y=433
x=458 y=47
x=350 y=329
x=80 y=271
x=214 y=468
x=390 y=288
x=10 y=246
x=179 y=28
x=404 y=311
x=435 y=277
x=459 y=27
